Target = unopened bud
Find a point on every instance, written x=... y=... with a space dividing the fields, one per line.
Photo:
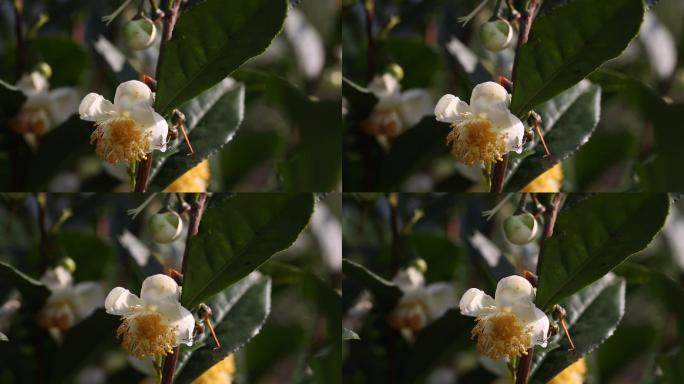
x=496 y=35
x=166 y=227
x=44 y=69
x=396 y=70
x=139 y=33
x=520 y=229
x=68 y=263
x=420 y=265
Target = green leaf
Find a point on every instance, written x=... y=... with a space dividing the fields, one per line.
x=448 y=333
x=33 y=291
x=80 y=344
x=58 y=149
x=238 y=234
x=11 y=100
x=404 y=51
x=592 y=237
x=247 y=151
x=568 y=43
x=672 y=365
x=403 y=159
x=593 y=314
x=211 y=40
x=348 y=334
x=386 y=292
x=661 y=172
x=568 y=120
x=212 y=120
x=70 y=62
x=239 y=312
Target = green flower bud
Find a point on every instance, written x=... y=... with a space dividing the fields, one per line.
x=496 y=35
x=520 y=229
x=396 y=70
x=420 y=265
x=139 y=33
x=68 y=263
x=166 y=227
x=44 y=69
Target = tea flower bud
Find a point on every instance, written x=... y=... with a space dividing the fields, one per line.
x=496 y=35
x=520 y=229
x=166 y=227
x=396 y=70
x=508 y=324
x=44 y=69
x=68 y=263
x=140 y=33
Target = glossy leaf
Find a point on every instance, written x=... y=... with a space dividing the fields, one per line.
x=414 y=149
x=568 y=121
x=417 y=73
x=11 y=99
x=386 y=292
x=361 y=100
x=81 y=246
x=212 y=120
x=568 y=43
x=592 y=237
x=211 y=40
x=69 y=61
x=34 y=291
x=238 y=234
x=239 y=312
x=247 y=151
x=593 y=314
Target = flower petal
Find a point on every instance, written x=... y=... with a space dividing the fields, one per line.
x=513 y=289
x=409 y=279
x=514 y=135
x=120 y=301
x=440 y=297
x=33 y=84
x=535 y=318
x=57 y=278
x=487 y=94
x=180 y=318
x=415 y=104
x=132 y=93
x=159 y=288
x=153 y=124
x=385 y=85
x=87 y=296
x=63 y=103
x=449 y=107
x=94 y=107
x=475 y=302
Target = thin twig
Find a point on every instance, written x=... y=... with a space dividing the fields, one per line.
x=393 y=200
x=525 y=363
x=145 y=167
x=195 y=217
x=41 y=199
x=369 y=7
x=526 y=20
x=19 y=31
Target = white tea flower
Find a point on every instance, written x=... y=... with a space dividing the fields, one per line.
x=128 y=129
x=43 y=109
x=154 y=323
x=508 y=324
x=420 y=304
x=483 y=131
x=396 y=111
x=67 y=303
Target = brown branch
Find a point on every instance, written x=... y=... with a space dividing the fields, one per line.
x=145 y=166
x=369 y=7
x=19 y=31
x=41 y=199
x=550 y=215
x=526 y=20
x=393 y=200
x=195 y=214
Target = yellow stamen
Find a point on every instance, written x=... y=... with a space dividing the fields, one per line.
x=120 y=139
x=475 y=141
x=549 y=181
x=194 y=180
x=222 y=372
x=146 y=335
x=573 y=374
x=502 y=335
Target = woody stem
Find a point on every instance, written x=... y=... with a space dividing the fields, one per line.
x=526 y=20
x=170 y=17
x=550 y=215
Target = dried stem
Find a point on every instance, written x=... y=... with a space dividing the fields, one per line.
x=526 y=20
x=195 y=217
x=550 y=215
x=145 y=166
